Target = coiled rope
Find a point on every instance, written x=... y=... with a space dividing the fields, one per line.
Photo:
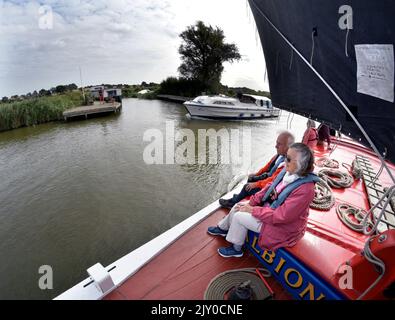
x=227 y=280
x=327 y=162
x=323 y=198
x=354 y=169
x=345 y=179
x=353 y=217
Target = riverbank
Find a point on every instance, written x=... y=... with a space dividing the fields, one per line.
x=38 y=110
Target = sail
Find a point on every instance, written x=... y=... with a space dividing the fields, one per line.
x=322 y=53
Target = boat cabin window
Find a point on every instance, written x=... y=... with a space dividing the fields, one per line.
x=246 y=99
x=266 y=103
x=224 y=103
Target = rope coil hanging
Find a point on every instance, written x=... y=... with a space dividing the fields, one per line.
x=323 y=198
x=345 y=179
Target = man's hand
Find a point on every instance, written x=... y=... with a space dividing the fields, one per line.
x=251 y=186
x=254 y=178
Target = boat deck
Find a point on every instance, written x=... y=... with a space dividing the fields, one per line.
x=184 y=270
x=180 y=263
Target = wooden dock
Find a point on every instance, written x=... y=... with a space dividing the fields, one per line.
x=95 y=109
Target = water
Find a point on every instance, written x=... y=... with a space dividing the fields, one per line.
x=74 y=194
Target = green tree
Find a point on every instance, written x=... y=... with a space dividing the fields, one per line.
x=72 y=87
x=203 y=53
x=61 y=89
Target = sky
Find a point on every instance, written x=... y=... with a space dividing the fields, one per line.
x=46 y=43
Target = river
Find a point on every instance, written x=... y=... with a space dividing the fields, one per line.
x=77 y=193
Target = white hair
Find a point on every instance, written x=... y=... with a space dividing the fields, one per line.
x=310 y=123
x=289 y=135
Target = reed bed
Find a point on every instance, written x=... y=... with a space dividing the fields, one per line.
x=37 y=110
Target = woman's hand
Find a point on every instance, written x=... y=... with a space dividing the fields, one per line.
x=244 y=206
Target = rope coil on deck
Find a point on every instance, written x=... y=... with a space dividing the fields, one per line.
x=356 y=169
x=345 y=212
x=345 y=179
x=323 y=198
x=227 y=280
x=328 y=163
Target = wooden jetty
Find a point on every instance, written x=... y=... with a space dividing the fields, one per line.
x=95 y=109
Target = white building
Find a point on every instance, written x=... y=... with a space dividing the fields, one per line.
x=107 y=93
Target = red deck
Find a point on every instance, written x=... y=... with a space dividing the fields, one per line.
x=186 y=267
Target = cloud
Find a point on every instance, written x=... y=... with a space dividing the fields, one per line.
x=118 y=41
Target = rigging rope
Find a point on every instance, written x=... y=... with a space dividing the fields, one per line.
x=225 y=281
x=323 y=198
x=387 y=194
x=345 y=179
x=346 y=45
x=378 y=174
x=292 y=118
x=392 y=200
x=367 y=252
x=292 y=58
x=312 y=49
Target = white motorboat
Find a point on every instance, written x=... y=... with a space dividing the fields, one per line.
x=223 y=107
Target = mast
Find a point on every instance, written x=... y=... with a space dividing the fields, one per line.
x=82 y=87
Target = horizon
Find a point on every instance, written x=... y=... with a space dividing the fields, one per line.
x=112 y=85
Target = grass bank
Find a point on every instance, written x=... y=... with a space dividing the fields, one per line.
x=37 y=110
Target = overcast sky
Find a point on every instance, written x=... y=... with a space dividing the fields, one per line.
x=43 y=43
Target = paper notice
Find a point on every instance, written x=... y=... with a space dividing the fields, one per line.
x=375 y=70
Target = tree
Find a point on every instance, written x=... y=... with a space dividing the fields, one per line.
x=5 y=99
x=72 y=87
x=61 y=89
x=203 y=53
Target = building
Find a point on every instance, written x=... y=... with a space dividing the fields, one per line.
x=108 y=93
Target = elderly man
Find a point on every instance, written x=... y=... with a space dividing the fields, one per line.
x=279 y=212
x=265 y=175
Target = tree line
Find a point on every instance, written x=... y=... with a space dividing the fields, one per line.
x=41 y=93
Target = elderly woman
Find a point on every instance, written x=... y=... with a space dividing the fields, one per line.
x=310 y=136
x=279 y=211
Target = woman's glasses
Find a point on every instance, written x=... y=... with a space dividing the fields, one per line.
x=288 y=159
